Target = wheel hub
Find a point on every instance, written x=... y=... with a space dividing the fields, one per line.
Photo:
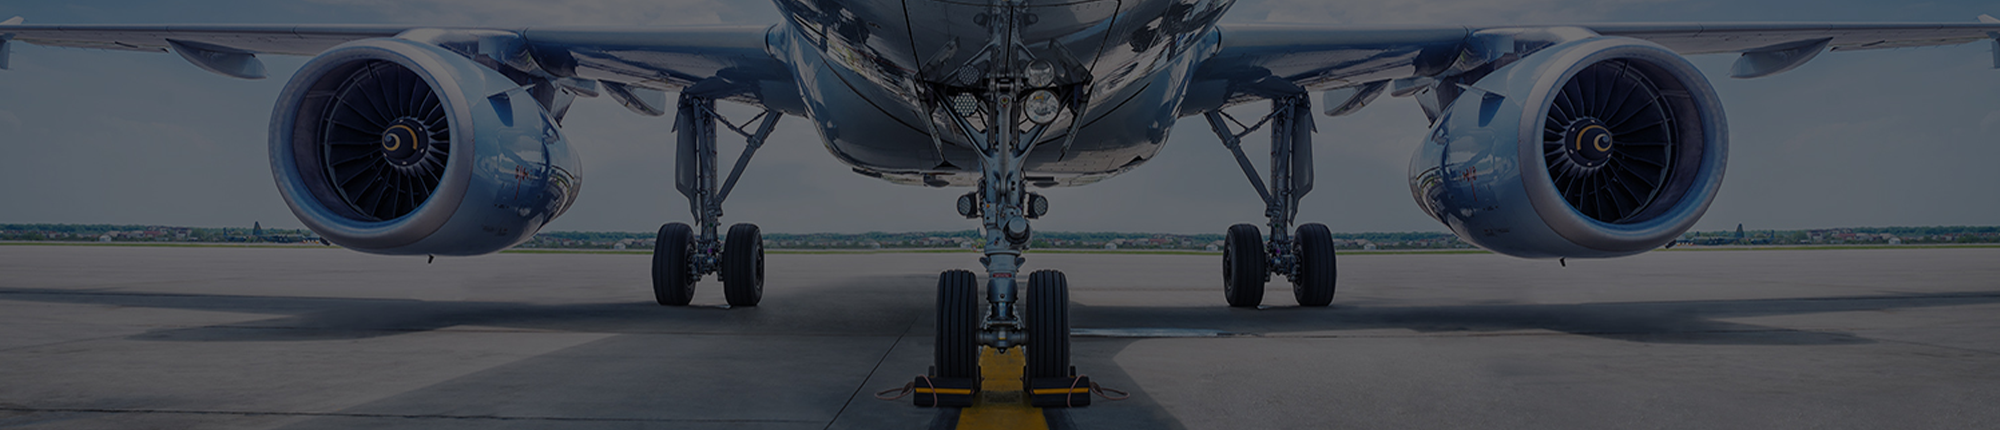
x=1588 y=142
x=403 y=143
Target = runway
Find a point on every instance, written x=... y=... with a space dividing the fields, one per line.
x=205 y=337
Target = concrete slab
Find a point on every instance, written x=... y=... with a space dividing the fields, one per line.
x=129 y=337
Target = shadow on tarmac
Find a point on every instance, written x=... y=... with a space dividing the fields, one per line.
x=890 y=308
x=1672 y=322
x=1680 y=322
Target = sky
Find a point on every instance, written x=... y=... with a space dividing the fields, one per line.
x=1903 y=137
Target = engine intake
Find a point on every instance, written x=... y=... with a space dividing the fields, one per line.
x=1600 y=147
x=391 y=146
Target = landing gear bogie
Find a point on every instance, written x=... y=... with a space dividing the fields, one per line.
x=1305 y=257
x=683 y=254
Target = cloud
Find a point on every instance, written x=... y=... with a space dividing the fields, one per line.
x=542 y=12
x=9 y=124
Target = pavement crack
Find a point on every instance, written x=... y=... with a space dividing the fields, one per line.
x=1954 y=348
x=863 y=386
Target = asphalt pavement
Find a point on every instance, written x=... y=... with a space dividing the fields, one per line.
x=305 y=338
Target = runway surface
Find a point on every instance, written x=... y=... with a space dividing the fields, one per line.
x=131 y=337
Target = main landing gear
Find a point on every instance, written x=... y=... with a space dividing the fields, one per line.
x=1305 y=257
x=683 y=254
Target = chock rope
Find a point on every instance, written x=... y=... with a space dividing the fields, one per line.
x=907 y=388
x=1100 y=391
x=1111 y=394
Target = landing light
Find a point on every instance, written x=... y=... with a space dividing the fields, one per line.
x=1041 y=73
x=968 y=205
x=1037 y=205
x=965 y=104
x=1042 y=106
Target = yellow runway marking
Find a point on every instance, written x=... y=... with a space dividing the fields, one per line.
x=1001 y=403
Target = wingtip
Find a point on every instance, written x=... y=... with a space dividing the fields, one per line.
x=1989 y=19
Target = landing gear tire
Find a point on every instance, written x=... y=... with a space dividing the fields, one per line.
x=743 y=266
x=957 y=325
x=673 y=280
x=1048 y=325
x=1242 y=266
x=1313 y=285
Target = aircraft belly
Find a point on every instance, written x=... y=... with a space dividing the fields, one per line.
x=880 y=144
x=859 y=68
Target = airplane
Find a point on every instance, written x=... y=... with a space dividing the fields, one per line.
x=1546 y=141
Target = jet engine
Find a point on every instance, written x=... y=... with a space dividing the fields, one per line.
x=392 y=146
x=1599 y=147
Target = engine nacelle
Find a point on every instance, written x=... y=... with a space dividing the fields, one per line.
x=391 y=146
x=1600 y=147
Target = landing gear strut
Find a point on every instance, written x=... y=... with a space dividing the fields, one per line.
x=1305 y=258
x=1003 y=108
x=683 y=254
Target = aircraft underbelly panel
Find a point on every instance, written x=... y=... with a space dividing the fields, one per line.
x=866 y=136
x=866 y=69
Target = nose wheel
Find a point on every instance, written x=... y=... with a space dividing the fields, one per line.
x=957 y=349
x=1048 y=325
x=954 y=376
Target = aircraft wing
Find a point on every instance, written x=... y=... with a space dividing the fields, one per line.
x=1255 y=62
x=721 y=62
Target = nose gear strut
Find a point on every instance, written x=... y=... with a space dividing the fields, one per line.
x=991 y=94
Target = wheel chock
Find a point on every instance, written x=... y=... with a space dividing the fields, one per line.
x=1062 y=392
x=930 y=391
